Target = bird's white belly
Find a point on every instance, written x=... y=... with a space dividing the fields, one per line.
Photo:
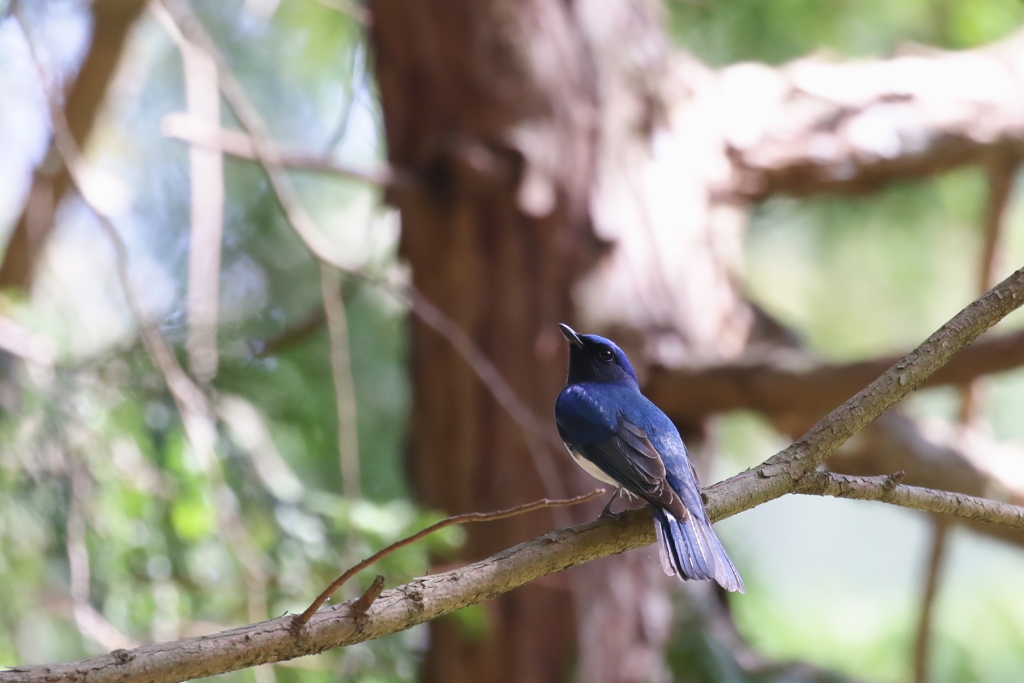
x=590 y=468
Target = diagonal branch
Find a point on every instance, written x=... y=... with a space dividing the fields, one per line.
x=426 y=598
x=776 y=476
x=433 y=596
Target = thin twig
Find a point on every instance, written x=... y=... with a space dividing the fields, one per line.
x=206 y=177
x=933 y=576
x=466 y=518
x=344 y=386
x=369 y=595
x=237 y=144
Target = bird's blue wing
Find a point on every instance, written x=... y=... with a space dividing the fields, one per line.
x=598 y=431
x=629 y=457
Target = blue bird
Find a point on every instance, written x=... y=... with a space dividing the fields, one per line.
x=619 y=437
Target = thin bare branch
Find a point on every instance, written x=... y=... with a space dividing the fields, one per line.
x=466 y=518
x=933 y=575
x=238 y=144
x=344 y=386
x=940 y=459
x=206 y=170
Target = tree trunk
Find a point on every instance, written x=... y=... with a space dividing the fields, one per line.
x=501 y=135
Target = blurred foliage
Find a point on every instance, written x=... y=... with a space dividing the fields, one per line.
x=726 y=31
x=92 y=452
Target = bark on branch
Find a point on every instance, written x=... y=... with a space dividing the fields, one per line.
x=887 y=489
x=426 y=598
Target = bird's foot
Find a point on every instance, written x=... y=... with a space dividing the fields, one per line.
x=607 y=512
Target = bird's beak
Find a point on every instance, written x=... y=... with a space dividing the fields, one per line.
x=570 y=336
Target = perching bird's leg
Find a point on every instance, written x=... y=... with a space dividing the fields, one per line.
x=607 y=512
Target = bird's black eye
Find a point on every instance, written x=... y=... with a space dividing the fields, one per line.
x=606 y=355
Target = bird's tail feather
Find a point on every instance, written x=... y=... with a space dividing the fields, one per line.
x=691 y=550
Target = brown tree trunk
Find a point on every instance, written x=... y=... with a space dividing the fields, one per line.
x=502 y=138
x=494 y=107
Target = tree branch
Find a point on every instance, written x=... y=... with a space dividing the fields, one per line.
x=887 y=489
x=776 y=475
x=433 y=596
x=426 y=598
x=795 y=382
x=820 y=126
x=240 y=145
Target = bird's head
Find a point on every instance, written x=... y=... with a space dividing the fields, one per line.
x=595 y=359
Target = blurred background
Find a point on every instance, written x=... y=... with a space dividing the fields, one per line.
x=296 y=299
